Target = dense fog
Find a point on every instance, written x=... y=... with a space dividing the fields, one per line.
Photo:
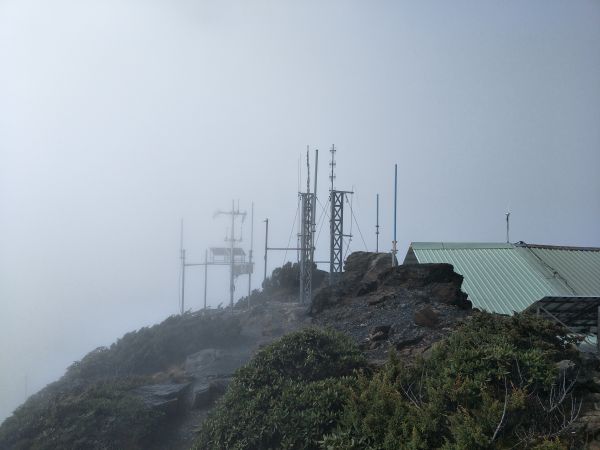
x=120 y=118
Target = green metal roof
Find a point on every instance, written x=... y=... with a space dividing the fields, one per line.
x=579 y=269
x=507 y=278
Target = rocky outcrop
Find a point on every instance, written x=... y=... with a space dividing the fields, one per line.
x=439 y=281
x=405 y=308
x=371 y=274
x=360 y=276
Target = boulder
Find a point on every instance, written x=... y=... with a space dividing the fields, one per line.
x=379 y=333
x=413 y=276
x=168 y=397
x=438 y=281
x=204 y=395
x=407 y=341
x=377 y=299
x=426 y=317
x=367 y=265
x=214 y=363
x=371 y=273
x=200 y=360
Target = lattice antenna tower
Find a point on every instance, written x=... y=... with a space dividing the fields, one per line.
x=336 y=225
x=234 y=213
x=307 y=200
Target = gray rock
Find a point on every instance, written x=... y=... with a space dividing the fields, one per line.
x=204 y=395
x=426 y=317
x=215 y=363
x=379 y=333
x=167 y=397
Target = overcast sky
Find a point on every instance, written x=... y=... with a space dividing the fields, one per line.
x=118 y=118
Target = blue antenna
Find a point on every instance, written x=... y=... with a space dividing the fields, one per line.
x=395 y=242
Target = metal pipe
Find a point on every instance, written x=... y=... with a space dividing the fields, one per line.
x=205 y=275
x=250 y=255
x=182 y=281
x=266 y=246
x=377 y=228
x=231 y=279
x=395 y=241
x=182 y=265
x=314 y=209
x=316 y=169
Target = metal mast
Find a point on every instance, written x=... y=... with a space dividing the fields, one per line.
x=250 y=254
x=377 y=227
x=234 y=213
x=266 y=221
x=182 y=258
x=332 y=165
x=336 y=225
x=507 y=226
x=205 y=275
x=395 y=242
x=307 y=200
x=314 y=207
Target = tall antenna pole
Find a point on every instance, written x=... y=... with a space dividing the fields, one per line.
x=231 y=274
x=182 y=257
x=316 y=168
x=332 y=164
x=314 y=208
x=307 y=226
x=266 y=247
x=182 y=281
x=299 y=173
x=307 y=172
x=205 y=275
x=507 y=226
x=232 y=239
x=395 y=241
x=377 y=227
x=250 y=254
x=336 y=226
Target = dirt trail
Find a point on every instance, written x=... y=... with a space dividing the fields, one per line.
x=211 y=369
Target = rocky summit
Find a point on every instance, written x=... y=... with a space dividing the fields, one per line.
x=159 y=387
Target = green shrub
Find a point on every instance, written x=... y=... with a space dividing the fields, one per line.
x=153 y=349
x=289 y=395
x=91 y=402
x=484 y=387
x=101 y=415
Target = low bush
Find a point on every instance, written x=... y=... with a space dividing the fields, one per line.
x=493 y=383
x=156 y=348
x=288 y=396
x=91 y=406
x=102 y=415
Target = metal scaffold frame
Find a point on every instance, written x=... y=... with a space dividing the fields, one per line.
x=336 y=245
x=336 y=225
x=234 y=214
x=232 y=256
x=307 y=200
